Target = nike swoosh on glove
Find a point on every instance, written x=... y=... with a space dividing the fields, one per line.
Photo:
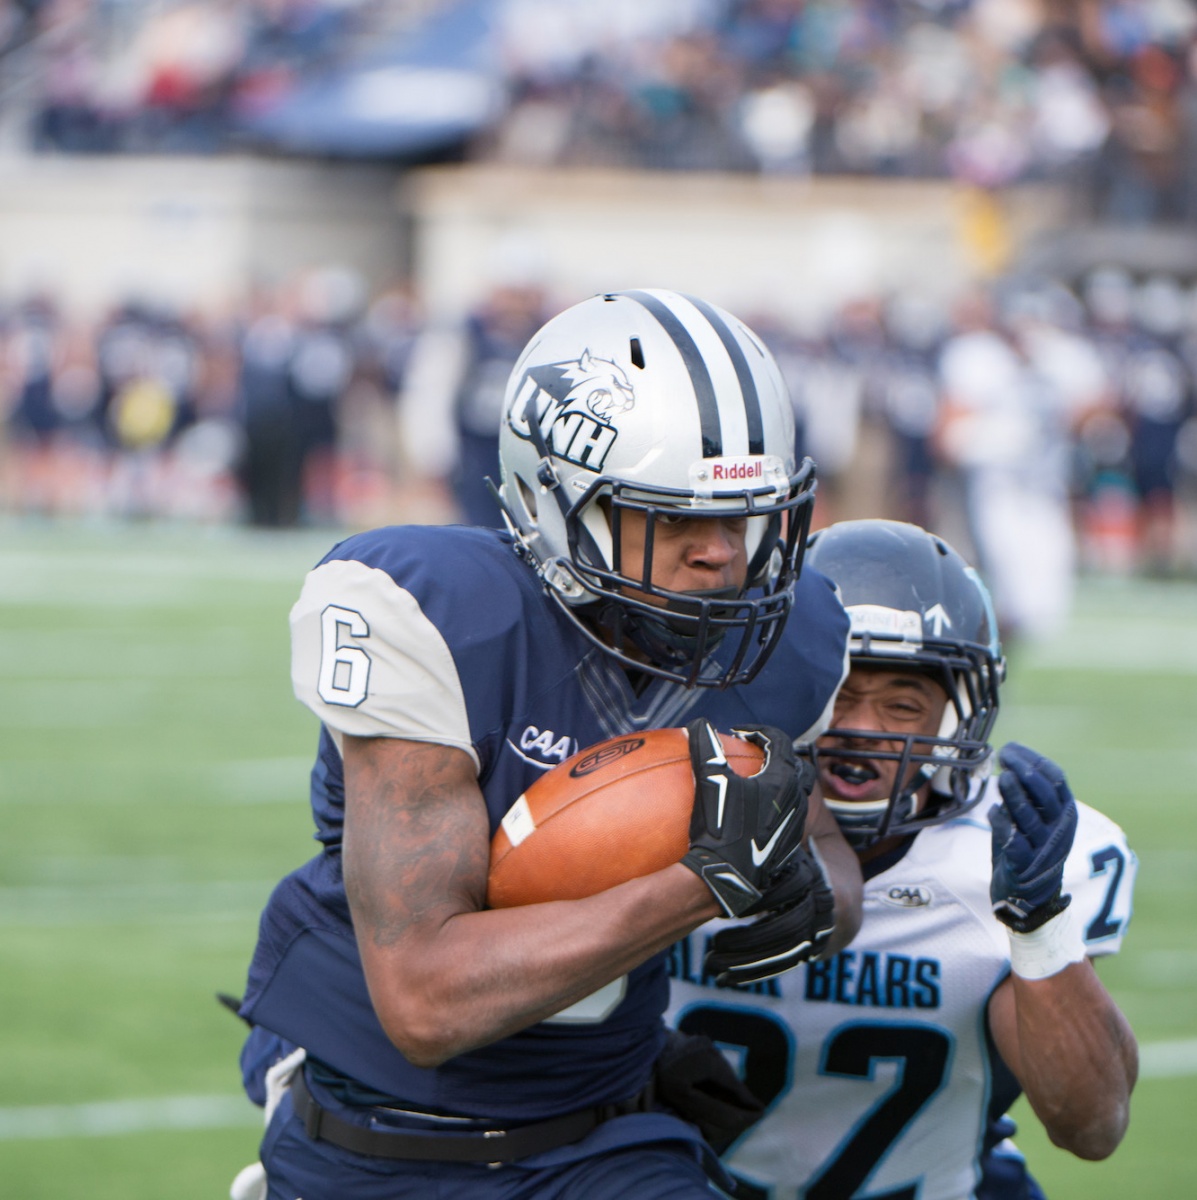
x=744 y=829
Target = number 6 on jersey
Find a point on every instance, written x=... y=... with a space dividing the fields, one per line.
x=344 y=668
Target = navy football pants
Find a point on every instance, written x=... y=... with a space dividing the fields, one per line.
x=299 y=1168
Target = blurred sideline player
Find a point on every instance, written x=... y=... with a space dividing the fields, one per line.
x=888 y=1068
x=1013 y=386
x=657 y=526
x=451 y=404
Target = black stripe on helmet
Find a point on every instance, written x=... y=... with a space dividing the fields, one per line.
x=700 y=377
x=752 y=401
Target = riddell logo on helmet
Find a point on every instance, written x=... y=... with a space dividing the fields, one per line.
x=744 y=469
x=708 y=473
x=733 y=474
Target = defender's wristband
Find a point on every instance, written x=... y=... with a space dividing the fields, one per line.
x=1047 y=950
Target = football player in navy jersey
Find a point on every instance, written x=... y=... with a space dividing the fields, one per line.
x=408 y=1042
x=887 y=1068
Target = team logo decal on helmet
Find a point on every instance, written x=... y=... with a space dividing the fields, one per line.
x=585 y=393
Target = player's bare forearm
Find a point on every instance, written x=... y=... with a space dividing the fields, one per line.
x=445 y=975
x=843 y=872
x=1074 y=1054
x=487 y=975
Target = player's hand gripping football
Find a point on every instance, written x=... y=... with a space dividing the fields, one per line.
x=1033 y=829
x=743 y=830
x=797 y=918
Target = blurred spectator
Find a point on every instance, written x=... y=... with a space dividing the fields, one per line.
x=271 y=468
x=1141 y=332
x=915 y=327
x=687 y=99
x=826 y=392
x=367 y=459
x=1157 y=389
x=35 y=345
x=777 y=122
x=1002 y=428
x=148 y=362
x=392 y=324
x=858 y=344
x=300 y=354
x=1142 y=176
x=453 y=395
x=322 y=367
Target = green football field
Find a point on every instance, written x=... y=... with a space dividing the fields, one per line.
x=153 y=773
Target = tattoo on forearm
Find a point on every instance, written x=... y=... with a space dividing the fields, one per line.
x=415 y=841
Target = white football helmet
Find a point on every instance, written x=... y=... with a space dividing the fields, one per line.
x=657 y=403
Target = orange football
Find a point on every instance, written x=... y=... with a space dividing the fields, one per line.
x=613 y=812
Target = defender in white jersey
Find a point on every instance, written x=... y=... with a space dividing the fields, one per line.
x=887 y=1069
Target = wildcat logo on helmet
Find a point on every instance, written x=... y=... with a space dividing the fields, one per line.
x=584 y=394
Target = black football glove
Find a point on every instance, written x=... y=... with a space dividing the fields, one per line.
x=798 y=916
x=694 y=1078
x=1033 y=829
x=744 y=829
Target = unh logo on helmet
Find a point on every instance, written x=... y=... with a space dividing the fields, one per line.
x=584 y=395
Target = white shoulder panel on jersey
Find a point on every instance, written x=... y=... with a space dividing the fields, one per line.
x=1100 y=876
x=1099 y=873
x=368 y=662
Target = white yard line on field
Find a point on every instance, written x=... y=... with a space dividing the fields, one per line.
x=1165 y=647
x=102 y=903
x=1167 y=1060
x=109 y=1118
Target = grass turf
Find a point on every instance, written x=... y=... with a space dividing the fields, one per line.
x=153 y=772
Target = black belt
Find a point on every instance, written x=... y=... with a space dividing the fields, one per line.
x=486 y=1146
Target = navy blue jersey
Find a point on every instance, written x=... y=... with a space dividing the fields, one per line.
x=444 y=635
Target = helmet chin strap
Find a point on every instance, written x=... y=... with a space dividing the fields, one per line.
x=656 y=631
x=546 y=473
x=768 y=546
x=662 y=639
x=940 y=777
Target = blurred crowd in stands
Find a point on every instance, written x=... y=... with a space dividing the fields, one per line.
x=134 y=76
x=1101 y=93
x=1047 y=426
